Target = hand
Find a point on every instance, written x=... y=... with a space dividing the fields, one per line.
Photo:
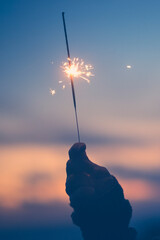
x=97 y=198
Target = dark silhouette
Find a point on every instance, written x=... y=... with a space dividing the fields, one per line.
x=100 y=209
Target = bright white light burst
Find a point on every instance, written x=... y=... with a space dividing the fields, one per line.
x=75 y=68
x=78 y=69
x=129 y=66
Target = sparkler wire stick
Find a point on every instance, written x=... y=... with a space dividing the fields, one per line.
x=71 y=77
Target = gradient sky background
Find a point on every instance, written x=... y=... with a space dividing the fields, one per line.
x=119 y=111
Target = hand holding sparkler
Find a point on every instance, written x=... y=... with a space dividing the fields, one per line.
x=100 y=209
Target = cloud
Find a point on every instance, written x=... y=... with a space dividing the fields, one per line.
x=25 y=132
x=36 y=214
x=38 y=177
x=152 y=176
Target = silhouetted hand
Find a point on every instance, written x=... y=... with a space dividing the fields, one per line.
x=97 y=198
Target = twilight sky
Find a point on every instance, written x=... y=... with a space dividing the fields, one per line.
x=119 y=111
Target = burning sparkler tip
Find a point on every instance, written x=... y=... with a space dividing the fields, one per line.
x=77 y=69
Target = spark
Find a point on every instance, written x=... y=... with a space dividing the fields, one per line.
x=129 y=66
x=52 y=91
x=78 y=69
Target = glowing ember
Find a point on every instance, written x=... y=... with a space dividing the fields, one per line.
x=129 y=66
x=52 y=91
x=78 y=69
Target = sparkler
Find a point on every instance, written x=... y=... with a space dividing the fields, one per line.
x=70 y=74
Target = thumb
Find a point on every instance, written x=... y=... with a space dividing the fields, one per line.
x=78 y=161
x=77 y=151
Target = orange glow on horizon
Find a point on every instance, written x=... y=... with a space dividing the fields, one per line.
x=138 y=190
x=37 y=172
x=144 y=158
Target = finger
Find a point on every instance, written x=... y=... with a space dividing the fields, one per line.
x=72 y=167
x=105 y=185
x=99 y=172
x=82 y=197
x=74 y=182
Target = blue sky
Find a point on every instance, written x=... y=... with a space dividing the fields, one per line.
x=110 y=35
